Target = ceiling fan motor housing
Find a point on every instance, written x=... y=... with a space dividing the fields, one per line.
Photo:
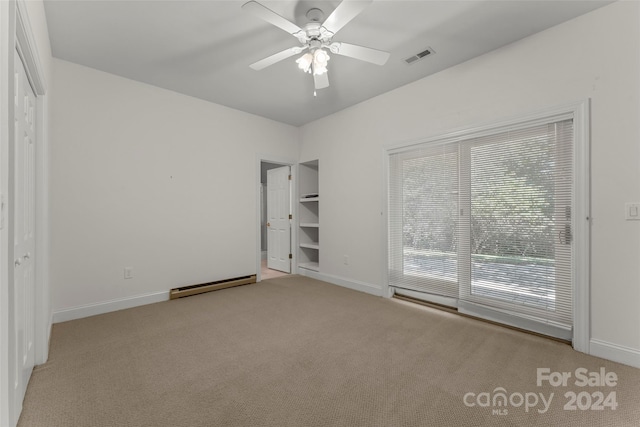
x=314 y=44
x=315 y=32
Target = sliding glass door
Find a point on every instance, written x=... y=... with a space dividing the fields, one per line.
x=485 y=223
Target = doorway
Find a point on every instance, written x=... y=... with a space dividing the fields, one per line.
x=275 y=220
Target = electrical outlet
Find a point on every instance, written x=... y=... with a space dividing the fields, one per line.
x=128 y=272
x=346 y=260
x=632 y=211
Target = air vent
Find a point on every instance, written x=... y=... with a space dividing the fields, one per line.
x=419 y=56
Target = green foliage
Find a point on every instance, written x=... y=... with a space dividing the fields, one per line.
x=512 y=186
x=512 y=199
x=430 y=206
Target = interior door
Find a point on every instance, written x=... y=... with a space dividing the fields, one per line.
x=24 y=233
x=278 y=219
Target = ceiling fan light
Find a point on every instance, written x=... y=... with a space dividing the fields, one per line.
x=318 y=71
x=304 y=62
x=320 y=60
x=320 y=57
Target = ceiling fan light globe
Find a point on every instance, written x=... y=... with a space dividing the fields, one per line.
x=320 y=60
x=318 y=71
x=320 y=56
x=304 y=62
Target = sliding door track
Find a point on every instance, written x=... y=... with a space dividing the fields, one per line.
x=455 y=311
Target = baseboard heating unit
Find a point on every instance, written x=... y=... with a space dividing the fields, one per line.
x=186 y=291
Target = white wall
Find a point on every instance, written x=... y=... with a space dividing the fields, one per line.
x=594 y=56
x=151 y=179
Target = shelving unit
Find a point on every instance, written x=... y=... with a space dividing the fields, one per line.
x=310 y=245
x=309 y=217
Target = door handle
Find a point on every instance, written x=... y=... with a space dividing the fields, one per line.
x=565 y=235
x=17 y=262
x=268 y=224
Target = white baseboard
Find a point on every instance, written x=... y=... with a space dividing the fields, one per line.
x=340 y=281
x=615 y=352
x=108 y=306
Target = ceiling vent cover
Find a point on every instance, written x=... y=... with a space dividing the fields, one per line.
x=418 y=56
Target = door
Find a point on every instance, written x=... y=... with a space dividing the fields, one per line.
x=24 y=236
x=484 y=224
x=279 y=219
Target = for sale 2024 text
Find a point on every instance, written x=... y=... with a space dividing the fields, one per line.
x=582 y=377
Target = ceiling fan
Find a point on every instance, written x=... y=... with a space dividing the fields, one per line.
x=317 y=38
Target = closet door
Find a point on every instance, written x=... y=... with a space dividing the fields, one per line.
x=24 y=231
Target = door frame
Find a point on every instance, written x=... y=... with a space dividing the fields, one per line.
x=282 y=161
x=17 y=34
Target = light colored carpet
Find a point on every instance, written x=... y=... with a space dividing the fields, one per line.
x=294 y=351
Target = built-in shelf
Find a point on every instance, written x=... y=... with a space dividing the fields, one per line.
x=310 y=266
x=309 y=224
x=308 y=216
x=310 y=245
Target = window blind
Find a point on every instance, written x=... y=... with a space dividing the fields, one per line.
x=424 y=228
x=487 y=220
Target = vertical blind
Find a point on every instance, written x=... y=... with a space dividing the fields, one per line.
x=487 y=220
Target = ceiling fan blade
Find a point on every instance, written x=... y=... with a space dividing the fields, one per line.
x=271 y=17
x=321 y=81
x=362 y=53
x=277 y=57
x=345 y=12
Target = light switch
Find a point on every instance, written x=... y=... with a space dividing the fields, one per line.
x=632 y=211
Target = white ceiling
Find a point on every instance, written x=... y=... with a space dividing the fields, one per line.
x=204 y=48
